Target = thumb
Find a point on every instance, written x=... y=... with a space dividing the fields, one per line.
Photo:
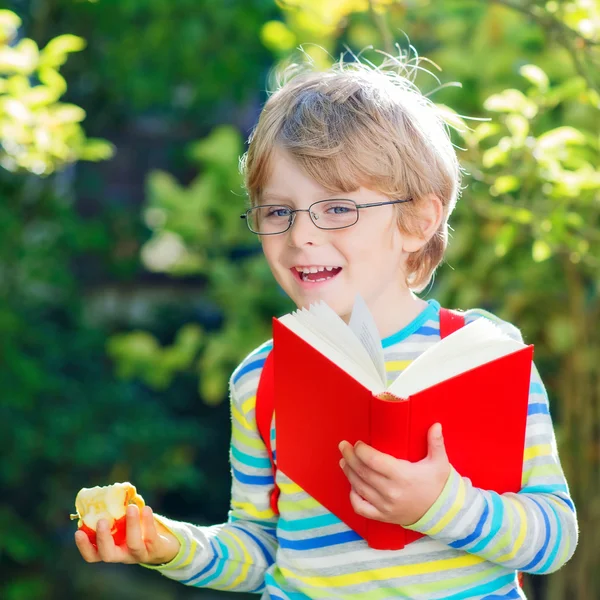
x=435 y=444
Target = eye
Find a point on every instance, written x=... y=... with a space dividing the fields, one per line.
x=278 y=212
x=339 y=208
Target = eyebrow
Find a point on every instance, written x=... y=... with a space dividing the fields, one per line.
x=283 y=199
x=276 y=197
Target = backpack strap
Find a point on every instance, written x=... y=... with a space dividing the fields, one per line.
x=264 y=408
x=450 y=321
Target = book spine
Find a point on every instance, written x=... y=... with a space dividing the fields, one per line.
x=389 y=421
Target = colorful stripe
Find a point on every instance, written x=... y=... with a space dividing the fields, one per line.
x=475 y=540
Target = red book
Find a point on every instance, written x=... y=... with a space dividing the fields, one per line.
x=483 y=413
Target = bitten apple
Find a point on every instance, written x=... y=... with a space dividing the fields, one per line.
x=105 y=502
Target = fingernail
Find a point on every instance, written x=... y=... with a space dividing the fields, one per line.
x=438 y=431
x=342 y=463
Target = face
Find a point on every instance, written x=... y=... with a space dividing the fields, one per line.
x=367 y=258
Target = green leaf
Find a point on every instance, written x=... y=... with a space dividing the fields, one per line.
x=486 y=130
x=213 y=386
x=68 y=113
x=523 y=216
x=53 y=79
x=189 y=337
x=9 y=24
x=541 y=251
x=572 y=88
x=22 y=58
x=222 y=147
x=505 y=184
x=55 y=52
x=518 y=126
x=560 y=137
x=511 y=101
x=536 y=76
x=276 y=36
x=494 y=156
x=96 y=149
x=40 y=95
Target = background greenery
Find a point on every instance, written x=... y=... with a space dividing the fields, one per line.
x=129 y=288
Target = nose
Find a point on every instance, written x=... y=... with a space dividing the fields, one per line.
x=303 y=231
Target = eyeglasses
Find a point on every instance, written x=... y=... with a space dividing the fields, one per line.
x=272 y=219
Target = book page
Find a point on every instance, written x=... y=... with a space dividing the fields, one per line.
x=474 y=344
x=323 y=321
x=336 y=341
x=363 y=325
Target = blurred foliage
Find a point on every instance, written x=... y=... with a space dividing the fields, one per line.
x=190 y=60
x=193 y=295
x=38 y=133
x=194 y=233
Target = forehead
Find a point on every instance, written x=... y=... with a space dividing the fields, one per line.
x=288 y=181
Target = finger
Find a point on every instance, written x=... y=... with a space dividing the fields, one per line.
x=105 y=542
x=158 y=538
x=362 y=469
x=87 y=551
x=436 y=449
x=149 y=527
x=384 y=464
x=363 y=507
x=363 y=488
x=133 y=534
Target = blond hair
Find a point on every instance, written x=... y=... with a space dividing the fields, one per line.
x=355 y=125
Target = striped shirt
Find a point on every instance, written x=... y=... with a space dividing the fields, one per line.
x=475 y=540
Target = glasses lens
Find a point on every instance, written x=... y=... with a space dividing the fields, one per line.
x=334 y=214
x=269 y=219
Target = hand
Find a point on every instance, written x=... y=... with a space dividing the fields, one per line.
x=147 y=541
x=388 y=489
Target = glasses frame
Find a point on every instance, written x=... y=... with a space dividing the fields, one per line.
x=313 y=218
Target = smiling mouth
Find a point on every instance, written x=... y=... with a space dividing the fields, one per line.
x=316 y=274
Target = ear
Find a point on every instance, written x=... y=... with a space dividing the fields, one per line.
x=428 y=219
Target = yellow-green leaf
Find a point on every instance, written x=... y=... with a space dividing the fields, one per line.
x=560 y=137
x=505 y=184
x=535 y=75
x=494 y=156
x=9 y=24
x=276 y=36
x=68 y=113
x=518 y=126
x=53 y=79
x=40 y=95
x=96 y=149
x=511 y=101
x=541 y=251
x=63 y=44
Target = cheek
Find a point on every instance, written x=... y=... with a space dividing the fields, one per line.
x=269 y=248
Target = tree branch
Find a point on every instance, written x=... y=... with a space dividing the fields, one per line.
x=567 y=37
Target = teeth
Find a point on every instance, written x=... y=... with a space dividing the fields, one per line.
x=314 y=269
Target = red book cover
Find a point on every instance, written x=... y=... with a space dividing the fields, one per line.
x=483 y=413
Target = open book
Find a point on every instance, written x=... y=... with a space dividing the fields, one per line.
x=330 y=385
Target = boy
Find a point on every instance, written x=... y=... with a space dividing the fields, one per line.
x=352 y=177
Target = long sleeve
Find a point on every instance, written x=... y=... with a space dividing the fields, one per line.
x=235 y=555
x=534 y=530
